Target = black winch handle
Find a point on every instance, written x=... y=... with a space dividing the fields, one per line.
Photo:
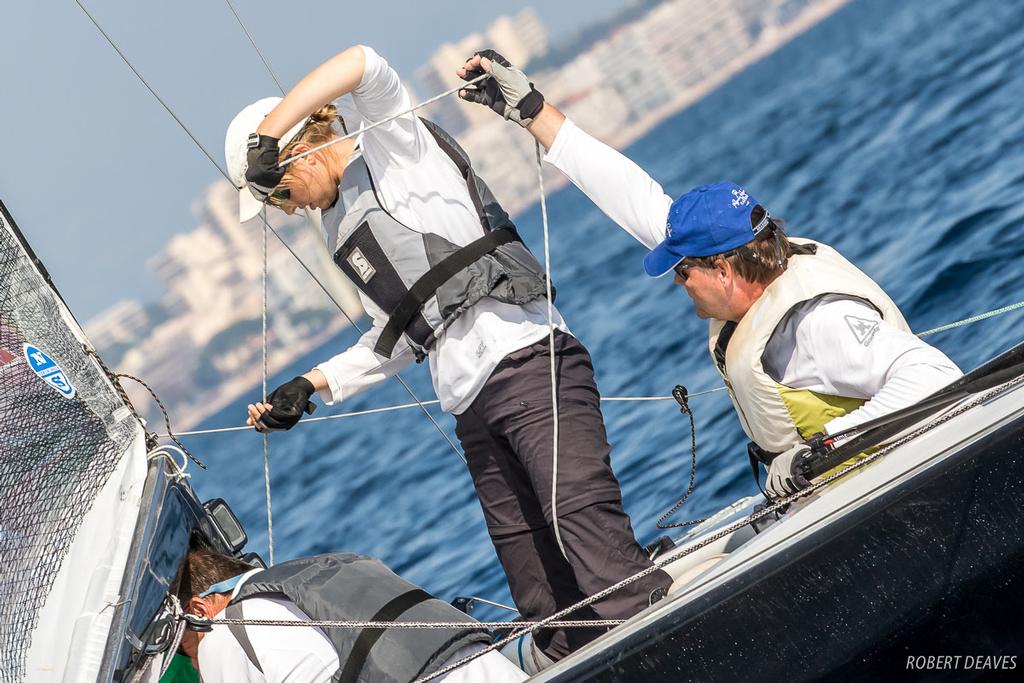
x=815 y=462
x=680 y=395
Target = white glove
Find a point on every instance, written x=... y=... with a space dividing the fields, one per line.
x=783 y=477
x=508 y=92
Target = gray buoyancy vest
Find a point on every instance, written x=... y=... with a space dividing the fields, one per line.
x=420 y=279
x=349 y=587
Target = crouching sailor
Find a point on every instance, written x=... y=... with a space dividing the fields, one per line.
x=333 y=587
x=805 y=341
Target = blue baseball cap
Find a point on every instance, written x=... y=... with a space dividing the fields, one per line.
x=707 y=220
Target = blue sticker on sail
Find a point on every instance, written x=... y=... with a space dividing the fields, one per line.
x=48 y=371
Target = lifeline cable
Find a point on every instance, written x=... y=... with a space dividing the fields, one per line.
x=272 y=229
x=714 y=390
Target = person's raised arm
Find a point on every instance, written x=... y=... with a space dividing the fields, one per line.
x=620 y=188
x=338 y=76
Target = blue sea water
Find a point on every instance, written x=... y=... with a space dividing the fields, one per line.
x=893 y=131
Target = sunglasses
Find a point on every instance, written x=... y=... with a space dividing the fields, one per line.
x=682 y=269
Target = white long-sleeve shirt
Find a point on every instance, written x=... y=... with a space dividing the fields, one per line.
x=422 y=188
x=814 y=347
x=292 y=654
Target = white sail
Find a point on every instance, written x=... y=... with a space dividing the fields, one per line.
x=72 y=468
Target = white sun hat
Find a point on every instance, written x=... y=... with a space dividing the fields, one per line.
x=236 y=149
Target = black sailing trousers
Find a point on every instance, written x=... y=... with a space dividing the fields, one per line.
x=507 y=436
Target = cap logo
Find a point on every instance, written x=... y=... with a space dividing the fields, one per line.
x=741 y=198
x=668 y=230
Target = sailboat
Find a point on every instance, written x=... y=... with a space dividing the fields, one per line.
x=95 y=518
x=917 y=548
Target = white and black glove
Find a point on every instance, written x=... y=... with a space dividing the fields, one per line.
x=784 y=476
x=508 y=91
x=262 y=172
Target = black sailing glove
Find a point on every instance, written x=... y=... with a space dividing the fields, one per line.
x=508 y=91
x=262 y=172
x=288 y=402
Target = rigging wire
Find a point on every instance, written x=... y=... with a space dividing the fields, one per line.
x=224 y=173
x=263 y=217
x=248 y=35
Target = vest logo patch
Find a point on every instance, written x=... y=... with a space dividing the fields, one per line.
x=362 y=267
x=47 y=370
x=864 y=330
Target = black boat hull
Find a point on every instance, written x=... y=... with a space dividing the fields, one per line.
x=933 y=567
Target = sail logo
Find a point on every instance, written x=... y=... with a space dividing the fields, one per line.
x=47 y=370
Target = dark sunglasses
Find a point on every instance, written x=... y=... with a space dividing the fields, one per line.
x=682 y=269
x=279 y=196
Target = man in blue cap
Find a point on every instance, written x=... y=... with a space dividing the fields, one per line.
x=806 y=343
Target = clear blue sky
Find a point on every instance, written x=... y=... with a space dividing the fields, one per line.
x=97 y=174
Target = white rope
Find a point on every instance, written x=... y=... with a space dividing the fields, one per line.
x=973 y=319
x=266 y=436
x=178 y=471
x=389 y=119
x=406 y=406
x=551 y=354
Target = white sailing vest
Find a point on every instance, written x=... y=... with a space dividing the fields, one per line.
x=775 y=416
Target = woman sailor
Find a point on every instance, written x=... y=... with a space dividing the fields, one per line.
x=444 y=276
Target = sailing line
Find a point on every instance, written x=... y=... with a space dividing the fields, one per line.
x=386 y=409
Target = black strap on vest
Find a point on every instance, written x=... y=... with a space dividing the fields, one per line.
x=722 y=343
x=803 y=249
x=238 y=631
x=427 y=285
x=369 y=637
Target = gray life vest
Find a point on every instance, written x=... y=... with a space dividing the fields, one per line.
x=420 y=279
x=349 y=587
